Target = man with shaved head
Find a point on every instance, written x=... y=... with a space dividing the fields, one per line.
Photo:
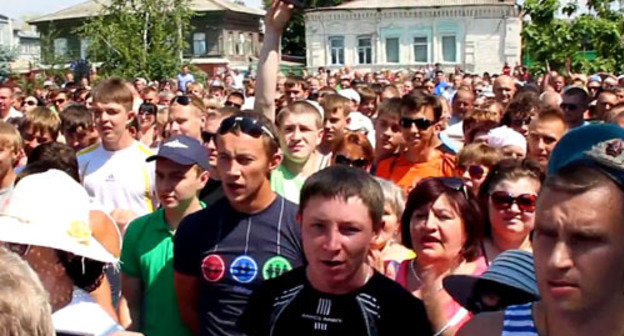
x=504 y=89
x=550 y=99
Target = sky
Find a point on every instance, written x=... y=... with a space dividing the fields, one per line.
x=18 y=9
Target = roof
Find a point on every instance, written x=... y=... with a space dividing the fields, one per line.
x=390 y=4
x=93 y=8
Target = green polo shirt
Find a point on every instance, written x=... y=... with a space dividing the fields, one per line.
x=147 y=254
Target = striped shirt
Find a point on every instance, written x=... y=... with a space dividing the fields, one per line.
x=519 y=321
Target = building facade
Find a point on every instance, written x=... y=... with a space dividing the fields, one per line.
x=224 y=32
x=23 y=40
x=477 y=35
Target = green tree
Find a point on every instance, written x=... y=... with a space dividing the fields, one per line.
x=293 y=38
x=139 y=37
x=551 y=40
x=7 y=55
x=55 y=62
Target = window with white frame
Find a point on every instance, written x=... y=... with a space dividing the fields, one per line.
x=392 y=50
x=421 y=49
x=336 y=50
x=85 y=44
x=60 y=47
x=449 y=48
x=231 y=44
x=199 y=43
x=241 y=44
x=365 y=50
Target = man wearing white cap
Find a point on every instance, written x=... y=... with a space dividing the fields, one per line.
x=358 y=122
x=511 y=143
x=58 y=244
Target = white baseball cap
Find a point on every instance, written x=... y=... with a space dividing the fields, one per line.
x=351 y=95
x=50 y=209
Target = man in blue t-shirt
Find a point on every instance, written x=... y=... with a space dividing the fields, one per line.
x=222 y=253
x=184 y=78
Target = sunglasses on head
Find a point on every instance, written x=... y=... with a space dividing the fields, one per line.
x=356 y=163
x=503 y=200
x=454 y=183
x=475 y=171
x=19 y=249
x=421 y=123
x=208 y=136
x=182 y=100
x=247 y=125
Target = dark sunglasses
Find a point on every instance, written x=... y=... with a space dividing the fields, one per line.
x=231 y=104
x=59 y=101
x=421 y=123
x=475 y=171
x=148 y=108
x=521 y=122
x=247 y=125
x=19 y=249
x=503 y=200
x=208 y=136
x=30 y=103
x=571 y=107
x=356 y=163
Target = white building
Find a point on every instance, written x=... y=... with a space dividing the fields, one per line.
x=478 y=35
x=22 y=38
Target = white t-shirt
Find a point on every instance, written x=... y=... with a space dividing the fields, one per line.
x=119 y=179
x=13 y=113
x=83 y=316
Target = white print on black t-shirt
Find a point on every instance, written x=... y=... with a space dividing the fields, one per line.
x=370 y=311
x=369 y=308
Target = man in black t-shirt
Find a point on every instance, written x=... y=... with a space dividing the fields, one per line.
x=222 y=253
x=337 y=292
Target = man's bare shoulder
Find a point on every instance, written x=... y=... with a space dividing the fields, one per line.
x=484 y=324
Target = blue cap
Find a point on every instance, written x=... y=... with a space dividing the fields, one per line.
x=184 y=150
x=513 y=268
x=598 y=145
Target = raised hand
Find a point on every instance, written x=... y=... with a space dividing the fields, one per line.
x=278 y=15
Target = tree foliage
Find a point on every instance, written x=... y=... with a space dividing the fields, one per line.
x=139 y=37
x=293 y=38
x=7 y=55
x=552 y=40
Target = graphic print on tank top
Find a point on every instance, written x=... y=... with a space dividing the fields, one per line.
x=244 y=268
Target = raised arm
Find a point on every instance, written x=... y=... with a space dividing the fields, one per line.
x=268 y=66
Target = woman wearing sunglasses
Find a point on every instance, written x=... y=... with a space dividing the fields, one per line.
x=354 y=150
x=443 y=224
x=474 y=162
x=508 y=195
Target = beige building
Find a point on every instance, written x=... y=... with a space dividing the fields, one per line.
x=478 y=35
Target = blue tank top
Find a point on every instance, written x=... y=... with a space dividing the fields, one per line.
x=519 y=321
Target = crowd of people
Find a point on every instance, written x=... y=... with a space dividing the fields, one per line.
x=411 y=202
